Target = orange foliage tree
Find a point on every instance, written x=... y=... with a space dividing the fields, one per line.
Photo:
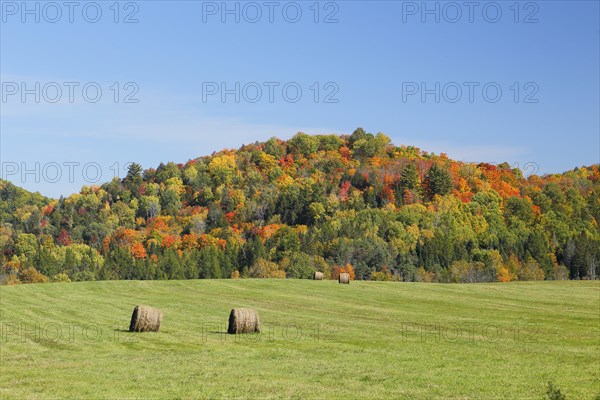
x=337 y=270
x=138 y=251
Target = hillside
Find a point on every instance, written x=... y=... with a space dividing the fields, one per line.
x=369 y=340
x=17 y=205
x=355 y=203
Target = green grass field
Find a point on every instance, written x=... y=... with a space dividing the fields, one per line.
x=378 y=340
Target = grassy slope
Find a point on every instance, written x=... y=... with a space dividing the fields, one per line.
x=360 y=351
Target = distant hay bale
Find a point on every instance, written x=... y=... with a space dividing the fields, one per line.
x=344 y=278
x=145 y=319
x=243 y=320
x=318 y=276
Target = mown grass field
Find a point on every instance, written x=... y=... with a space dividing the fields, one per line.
x=378 y=340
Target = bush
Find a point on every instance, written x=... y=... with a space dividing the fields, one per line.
x=471 y=272
x=554 y=393
x=82 y=276
x=503 y=275
x=531 y=271
x=31 y=275
x=9 y=279
x=406 y=273
x=62 y=277
x=384 y=275
x=265 y=269
x=298 y=265
x=560 y=273
x=424 y=276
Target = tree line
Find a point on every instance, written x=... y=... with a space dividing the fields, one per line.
x=354 y=203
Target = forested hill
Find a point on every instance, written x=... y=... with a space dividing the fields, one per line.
x=287 y=208
x=15 y=202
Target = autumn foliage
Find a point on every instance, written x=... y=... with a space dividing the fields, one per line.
x=337 y=270
x=353 y=203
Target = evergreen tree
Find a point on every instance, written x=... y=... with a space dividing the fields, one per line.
x=133 y=180
x=409 y=178
x=438 y=181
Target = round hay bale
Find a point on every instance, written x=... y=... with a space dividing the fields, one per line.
x=344 y=278
x=318 y=276
x=145 y=319
x=243 y=320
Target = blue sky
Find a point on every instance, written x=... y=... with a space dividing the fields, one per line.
x=370 y=66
